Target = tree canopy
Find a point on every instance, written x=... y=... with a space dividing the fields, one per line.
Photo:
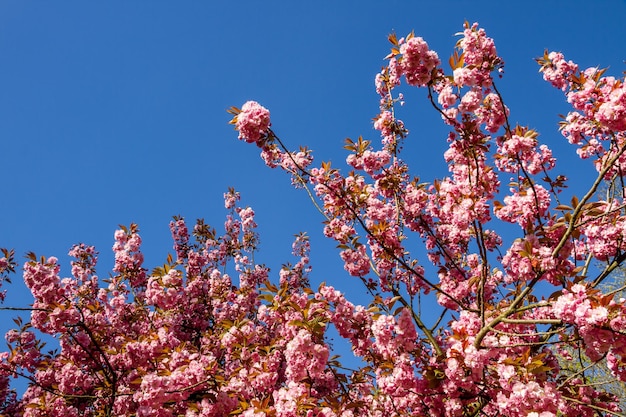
x=211 y=332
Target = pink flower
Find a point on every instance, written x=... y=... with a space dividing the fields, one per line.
x=493 y=113
x=471 y=99
x=524 y=206
x=418 y=61
x=356 y=261
x=480 y=58
x=304 y=357
x=612 y=113
x=253 y=122
x=446 y=97
x=557 y=71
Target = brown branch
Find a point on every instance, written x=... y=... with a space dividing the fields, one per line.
x=579 y=372
x=538 y=321
x=578 y=209
x=595 y=407
x=25 y=309
x=368 y=231
x=506 y=313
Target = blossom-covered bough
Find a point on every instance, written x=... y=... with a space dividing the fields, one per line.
x=210 y=333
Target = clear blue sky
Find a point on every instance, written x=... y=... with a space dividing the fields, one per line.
x=114 y=112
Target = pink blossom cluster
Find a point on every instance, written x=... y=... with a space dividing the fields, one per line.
x=522 y=152
x=598 y=120
x=296 y=276
x=231 y=198
x=128 y=257
x=388 y=79
x=388 y=126
x=601 y=236
x=492 y=113
x=180 y=235
x=524 y=207
x=575 y=307
x=479 y=56
x=305 y=358
x=556 y=70
x=612 y=112
x=164 y=292
x=418 y=61
x=356 y=261
x=253 y=122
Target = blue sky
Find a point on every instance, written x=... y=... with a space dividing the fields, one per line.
x=114 y=112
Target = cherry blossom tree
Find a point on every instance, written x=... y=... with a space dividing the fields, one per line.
x=213 y=333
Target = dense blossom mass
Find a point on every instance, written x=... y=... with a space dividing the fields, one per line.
x=213 y=333
x=253 y=122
